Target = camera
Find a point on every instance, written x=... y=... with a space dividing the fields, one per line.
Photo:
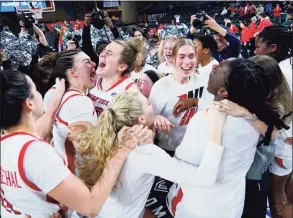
x=98 y=18
x=27 y=19
x=198 y=23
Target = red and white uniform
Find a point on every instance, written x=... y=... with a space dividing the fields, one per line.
x=75 y=107
x=282 y=165
x=166 y=93
x=102 y=99
x=30 y=168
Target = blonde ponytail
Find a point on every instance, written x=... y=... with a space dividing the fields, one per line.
x=98 y=144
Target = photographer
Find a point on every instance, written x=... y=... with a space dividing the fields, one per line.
x=228 y=44
x=97 y=27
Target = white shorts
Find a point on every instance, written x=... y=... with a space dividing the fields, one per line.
x=282 y=164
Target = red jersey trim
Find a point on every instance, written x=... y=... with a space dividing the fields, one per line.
x=129 y=85
x=16 y=133
x=21 y=166
x=57 y=117
x=122 y=79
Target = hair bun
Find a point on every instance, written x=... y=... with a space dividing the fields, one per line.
x=49 y=61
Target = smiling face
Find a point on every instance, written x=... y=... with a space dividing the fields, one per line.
x=168 y=48
x=83 y=70
x=109 y=60
x=185 y=61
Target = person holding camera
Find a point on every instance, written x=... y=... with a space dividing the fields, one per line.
x=228 y=44
x=97 y=27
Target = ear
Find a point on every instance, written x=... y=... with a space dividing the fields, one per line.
x=122 y=67
x=273 y=48
x=222 y=92
x=206 y=51
x=28 y=105
x=72 y=73
x=141 y=119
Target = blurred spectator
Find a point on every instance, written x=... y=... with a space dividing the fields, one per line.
x=252 y=27
x=224 y=11
x=91 y=36
x=263 y=23
x=252 y=30
x=259 y=10
x=252 y=10
x=277 y=14
x=228 y=44
x=232 y=28
x=268 y=7
x=245 y=38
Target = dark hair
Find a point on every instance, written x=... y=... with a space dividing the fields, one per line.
x=152 y=75
x=208 y=42
x=280 y=36
x=100 y=46
x=134 y=29
x=128 y=56
x=250 y=86
x=281 y=96
x=14 y=91
x=57 y=65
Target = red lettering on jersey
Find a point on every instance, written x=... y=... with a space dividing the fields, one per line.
x=99 y=100
x=182 y=97
x=188 y=114
x=9 y=178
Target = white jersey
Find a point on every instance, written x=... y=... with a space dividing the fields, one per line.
x=30 y=168
x=102 y=99
x=165 y=94
x=164 y=70
x=283 y=155
x=130 y=194
x=239 y=140
x=135 y=76
x=75 y=107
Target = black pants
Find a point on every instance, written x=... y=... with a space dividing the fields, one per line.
x=256 y=193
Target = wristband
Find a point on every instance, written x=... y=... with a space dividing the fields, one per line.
x=254 y=118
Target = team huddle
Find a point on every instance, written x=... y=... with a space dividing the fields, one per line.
x=94 y=145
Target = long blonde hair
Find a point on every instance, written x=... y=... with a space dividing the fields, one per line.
x=98 y=144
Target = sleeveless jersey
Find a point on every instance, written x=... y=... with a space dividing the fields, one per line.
x=19 y=196
x=75 y=107
x=102 y=99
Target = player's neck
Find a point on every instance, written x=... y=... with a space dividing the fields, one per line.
x=107 y=82
x=206 y=61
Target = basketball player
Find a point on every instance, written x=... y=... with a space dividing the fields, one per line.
x=166 y=68
x=115 y=64
x=182 y=84
x=236 y=80
x=76 y=109
x=34 y=177
x=135 y=181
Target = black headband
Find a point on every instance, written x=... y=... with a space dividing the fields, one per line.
x=152 y=75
